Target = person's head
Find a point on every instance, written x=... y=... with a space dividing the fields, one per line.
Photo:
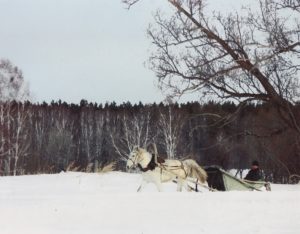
x=254 y=164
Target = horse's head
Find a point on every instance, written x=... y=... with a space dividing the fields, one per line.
x=133 y=158
x=137 y=156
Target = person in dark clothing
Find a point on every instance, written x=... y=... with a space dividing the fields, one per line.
x=254 y=173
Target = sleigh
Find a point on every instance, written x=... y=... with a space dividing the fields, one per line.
x=220 y=180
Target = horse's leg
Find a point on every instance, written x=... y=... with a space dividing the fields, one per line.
x=142 y=185
x=158 y=186
x=186 y=186
x=179 y=185
x=155 y=178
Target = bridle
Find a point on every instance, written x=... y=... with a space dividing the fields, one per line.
x=135 y=162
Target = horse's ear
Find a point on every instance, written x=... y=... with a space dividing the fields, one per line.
x=135 y=148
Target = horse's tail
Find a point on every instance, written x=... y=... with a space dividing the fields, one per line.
x=194 y=170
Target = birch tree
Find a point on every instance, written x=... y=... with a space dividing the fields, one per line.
x=170 y=127
x=99 y=128
x=13 y=145
x=5 y=149
x=87 y=133
x=129 y=130
x=14 y=135
x=20 y=137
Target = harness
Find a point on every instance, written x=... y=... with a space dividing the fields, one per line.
x=153 y=164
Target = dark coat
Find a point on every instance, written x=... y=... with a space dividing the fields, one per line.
x=253 y=174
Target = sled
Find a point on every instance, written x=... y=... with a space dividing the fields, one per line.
x=220 y=180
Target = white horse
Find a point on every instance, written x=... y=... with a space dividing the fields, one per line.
x=164 y=170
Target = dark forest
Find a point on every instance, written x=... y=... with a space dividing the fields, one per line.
x=49 y=138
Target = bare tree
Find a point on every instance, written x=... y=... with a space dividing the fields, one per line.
x=20 y=138
x=14 y=144
x=292 y=4
x=5 y=149
x=12 y=84
x=129 y=130
x=14 y=137
x=248 y=55
x=60 y=139
x=170 y=125
x=99 y=133
x=87 y=133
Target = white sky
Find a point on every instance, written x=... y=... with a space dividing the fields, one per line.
x=81 y=49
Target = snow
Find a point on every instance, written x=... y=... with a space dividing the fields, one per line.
x=73 y=202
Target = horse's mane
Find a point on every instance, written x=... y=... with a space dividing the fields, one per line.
x=141 y=150
x=155 y=159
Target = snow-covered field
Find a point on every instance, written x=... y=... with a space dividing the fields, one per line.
x=79 y=203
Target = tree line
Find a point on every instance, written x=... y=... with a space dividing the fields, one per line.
x=49 y=138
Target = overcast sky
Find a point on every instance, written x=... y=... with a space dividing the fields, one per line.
x=81 y=49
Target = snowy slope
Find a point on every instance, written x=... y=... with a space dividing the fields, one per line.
x=78 y=203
